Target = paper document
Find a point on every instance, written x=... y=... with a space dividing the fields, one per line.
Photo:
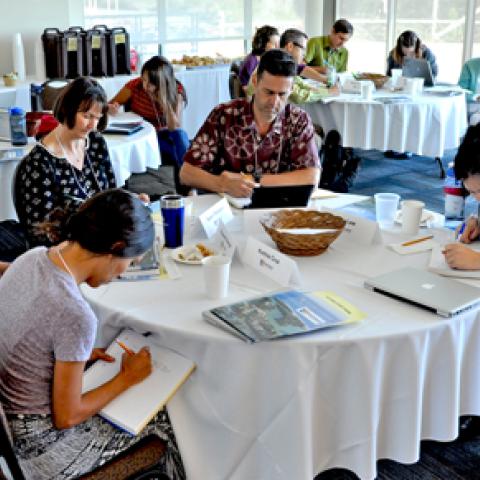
x=135 y=407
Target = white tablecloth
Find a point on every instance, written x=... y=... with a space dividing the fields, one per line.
x=289 y=409
x=426 y=125
x=128 y=153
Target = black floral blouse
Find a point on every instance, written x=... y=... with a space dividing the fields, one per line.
x=45 y=182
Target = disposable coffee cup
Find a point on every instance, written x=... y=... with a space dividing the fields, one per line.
x=411 y=215
x=216 y=273
x=386 y=205
x=410 y=86
x=366 y=89
x=396 y=74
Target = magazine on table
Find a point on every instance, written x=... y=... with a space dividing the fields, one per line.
x=283 y=314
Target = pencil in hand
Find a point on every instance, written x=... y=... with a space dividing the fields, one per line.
x=124 y=347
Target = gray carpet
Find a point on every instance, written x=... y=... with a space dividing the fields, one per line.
x=413 y=178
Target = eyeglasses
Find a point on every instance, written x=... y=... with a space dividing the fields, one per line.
x=299 y=45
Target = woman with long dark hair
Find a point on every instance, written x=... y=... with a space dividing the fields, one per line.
x=159 y=98
x=47 y=336
x=265 y=38
x=409 y=45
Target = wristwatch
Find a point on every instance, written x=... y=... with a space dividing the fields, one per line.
x=257 y=176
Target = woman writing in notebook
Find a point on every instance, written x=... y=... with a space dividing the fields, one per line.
x=467 y=169
x=48 y=337
x=159 y=98
x=410 y=46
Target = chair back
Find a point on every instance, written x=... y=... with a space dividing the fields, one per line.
x=51 y=89
x=7 y=451
x=234 y=84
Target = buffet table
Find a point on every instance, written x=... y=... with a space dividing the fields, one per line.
x=206 y=87
x=426 y=124
x=292 y=408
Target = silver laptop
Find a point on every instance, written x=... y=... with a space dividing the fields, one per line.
x=444 y=296
x=418 y=68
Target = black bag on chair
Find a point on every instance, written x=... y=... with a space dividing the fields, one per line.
x=339 y=164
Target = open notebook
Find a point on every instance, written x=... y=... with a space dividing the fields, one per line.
x=134 y=408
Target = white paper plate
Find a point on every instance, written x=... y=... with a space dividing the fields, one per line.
x=427 y=216
x=182 y=254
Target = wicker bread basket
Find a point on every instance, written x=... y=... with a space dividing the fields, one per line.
x=378 y=79
x=299 y=244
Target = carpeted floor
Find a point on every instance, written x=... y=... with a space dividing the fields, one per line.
x=415 y=178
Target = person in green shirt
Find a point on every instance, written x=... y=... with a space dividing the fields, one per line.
x=329 y=50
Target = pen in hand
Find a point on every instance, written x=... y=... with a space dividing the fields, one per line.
x=461 y=230
x=124 y=347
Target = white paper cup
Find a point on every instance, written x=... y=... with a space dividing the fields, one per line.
x=366 y=89
x=411 y=215
x=419 y=85
x=412 y=86
x=396 y=74
x=386 y=205
x=216 y=273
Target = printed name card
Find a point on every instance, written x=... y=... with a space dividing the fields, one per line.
x=222 y=242
x=271 y=262
x=211 y=218
x=357 y=231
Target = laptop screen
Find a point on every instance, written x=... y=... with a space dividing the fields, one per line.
x=418 y=68
x=281 y=196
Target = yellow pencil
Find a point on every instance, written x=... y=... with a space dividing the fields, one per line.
x=128 y=350
x=418 y=240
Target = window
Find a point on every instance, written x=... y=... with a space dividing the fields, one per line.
x=476 y=31
x=202 y=27
x=366 y=48
x=440 y=24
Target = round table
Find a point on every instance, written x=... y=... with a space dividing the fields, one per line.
x=426 y=124
x=286 y=409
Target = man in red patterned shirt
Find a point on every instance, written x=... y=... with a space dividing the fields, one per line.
x=263 y=141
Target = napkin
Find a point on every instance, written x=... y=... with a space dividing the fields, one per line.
x=415 y=248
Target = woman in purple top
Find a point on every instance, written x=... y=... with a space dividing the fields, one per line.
x=265 y=38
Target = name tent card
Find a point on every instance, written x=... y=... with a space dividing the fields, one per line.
x=272 y=263
x=211 y=218
x=223 y=242
x=357 y=231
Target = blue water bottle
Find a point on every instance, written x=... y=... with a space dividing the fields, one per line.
x=173 y=213
x=18 y=126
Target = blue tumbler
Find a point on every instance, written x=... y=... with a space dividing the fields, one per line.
x=173 y=213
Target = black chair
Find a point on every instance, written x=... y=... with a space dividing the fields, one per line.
x=136 y=463
x=234 y=85
x=43 y=96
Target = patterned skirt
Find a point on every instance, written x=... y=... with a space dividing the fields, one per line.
x=47 y=453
